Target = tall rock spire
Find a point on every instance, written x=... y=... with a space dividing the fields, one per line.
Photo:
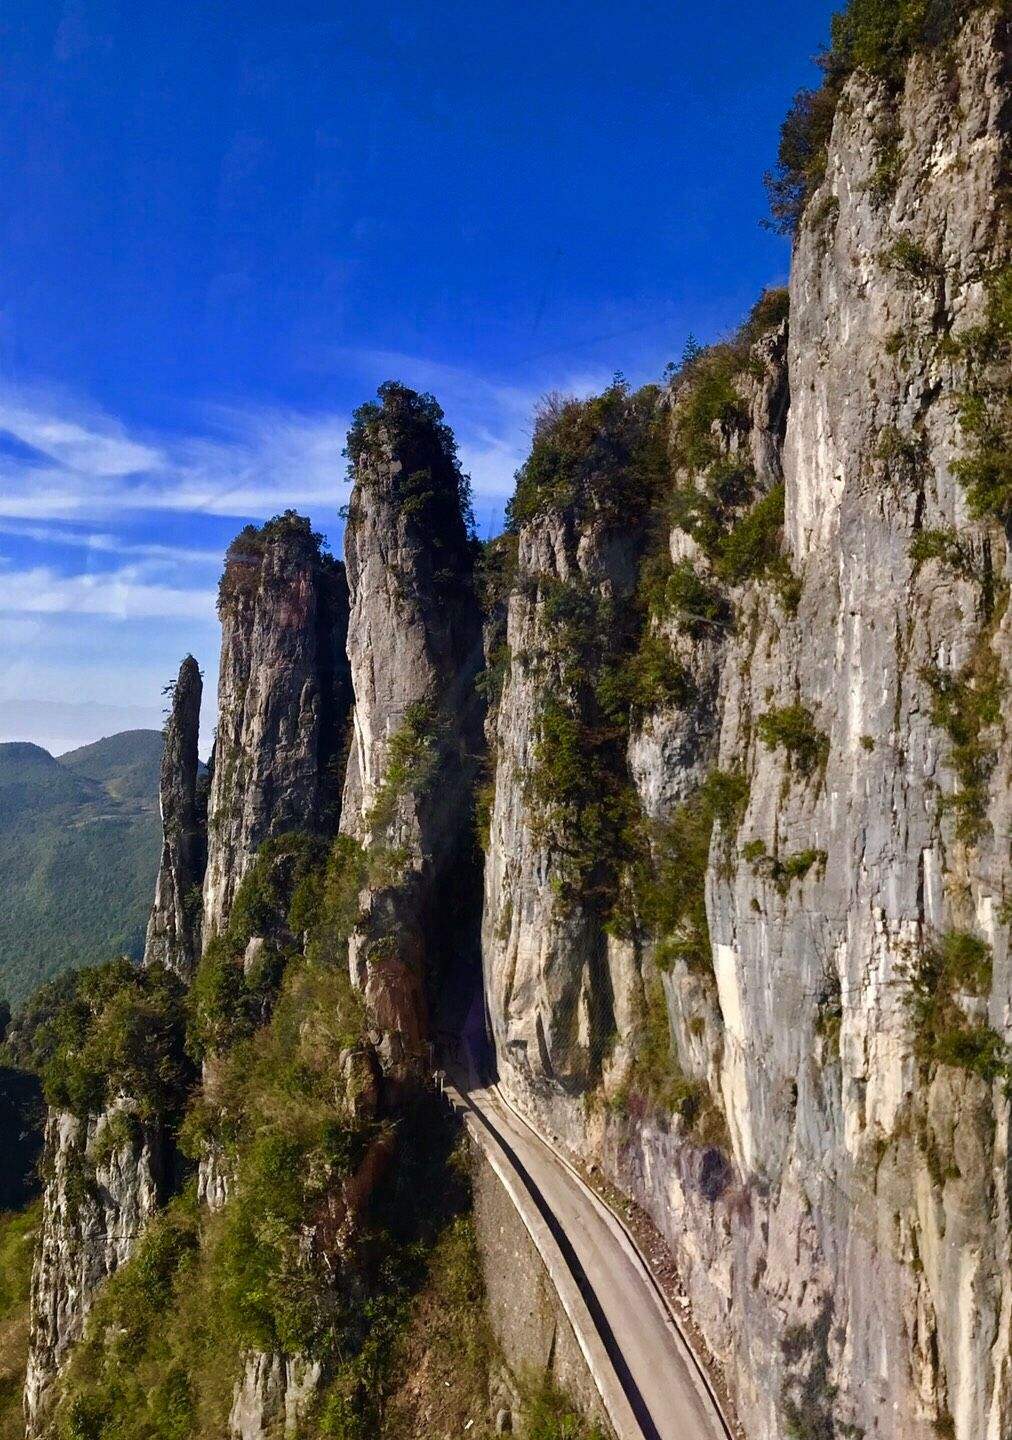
x=173 y=935
x=282 y=700
x=414 y=649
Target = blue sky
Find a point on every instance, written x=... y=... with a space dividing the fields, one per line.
x=223 y=226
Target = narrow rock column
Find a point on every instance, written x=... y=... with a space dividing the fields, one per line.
x=173 y=935
x=414 y=648
x=282 y=700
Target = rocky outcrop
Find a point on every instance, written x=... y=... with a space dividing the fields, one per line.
x=414 y=647
x=845 y=1243
x=105 y=1178
x=282 y=701
x=271 y=1396
x=173 y=935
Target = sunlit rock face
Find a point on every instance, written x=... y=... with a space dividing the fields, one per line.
x=845 y=1243
x=282 y=701
x=414 y=647
x=105 y=1178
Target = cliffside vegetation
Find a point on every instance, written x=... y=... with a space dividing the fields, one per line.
x=642 y=463
x=320 y=1249
x=18 y=1234
x=877 y=36
x=431 y=493
x=114 y=1030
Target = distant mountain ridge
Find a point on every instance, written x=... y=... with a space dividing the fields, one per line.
x=79 y=845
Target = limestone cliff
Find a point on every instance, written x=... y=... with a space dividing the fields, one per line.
x=104 y=1179
x=173 y=935
x=414 y=647
x=828 y=1154
x=747 y=876
x=282 y=701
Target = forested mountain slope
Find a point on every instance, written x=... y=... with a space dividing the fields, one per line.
x=79 y=839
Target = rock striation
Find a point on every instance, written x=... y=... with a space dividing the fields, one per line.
x=282 y=700
x=414 y=648
x=744 y=921
x=829 y=1157
x=105 y=1179
x=173 y=935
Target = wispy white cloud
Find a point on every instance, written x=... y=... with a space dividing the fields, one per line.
x=62 y=461
x=124 y=594
x=493 y=421
x=98 y=495
x=100 y=448
x=107 y=544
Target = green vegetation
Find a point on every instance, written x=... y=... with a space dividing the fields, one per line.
x=604 y=455
x=414 y=754
x=945 y=546
x=877 y=36
x=986 y=409
x=808 y=1399
x=79 y=844
x=889 y=160
x=792 y=728
x=550 y=1415
x=582 y=803
x=669 y=880
x=782 y=869
x=429 y=487
x=240 y=577
x=701 y=607
x=956 y=966
x=967 y=706
x=738 y=531
x=296 y=1260
x=652 y=676
x=911 y=259
x=228 y=999
x=657 y=1082
x=110 y=1030
x=829 y=1011
x=17 y=1247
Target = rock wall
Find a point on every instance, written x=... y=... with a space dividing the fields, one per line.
x=282 y=701
x=846 y=1247
x=173 y=935
x=528 y=1321
x=414 y=647
x=104 y=1179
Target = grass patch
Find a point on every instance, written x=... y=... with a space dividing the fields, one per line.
x=968 y=706
x=549 y=1414
x=792 y=729
x=669 y=882
x=986 y=408
x=780 y=870
x=18 y=1232
x=957 y=966
x=910 y=259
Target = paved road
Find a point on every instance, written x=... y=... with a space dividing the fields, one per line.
x=669 y=1397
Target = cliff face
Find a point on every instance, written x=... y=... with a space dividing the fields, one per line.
x=845 y=1239
x=744 y=934
x=104 y=1179
x=282 y=701
x=173 y=935
x=414 y=647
